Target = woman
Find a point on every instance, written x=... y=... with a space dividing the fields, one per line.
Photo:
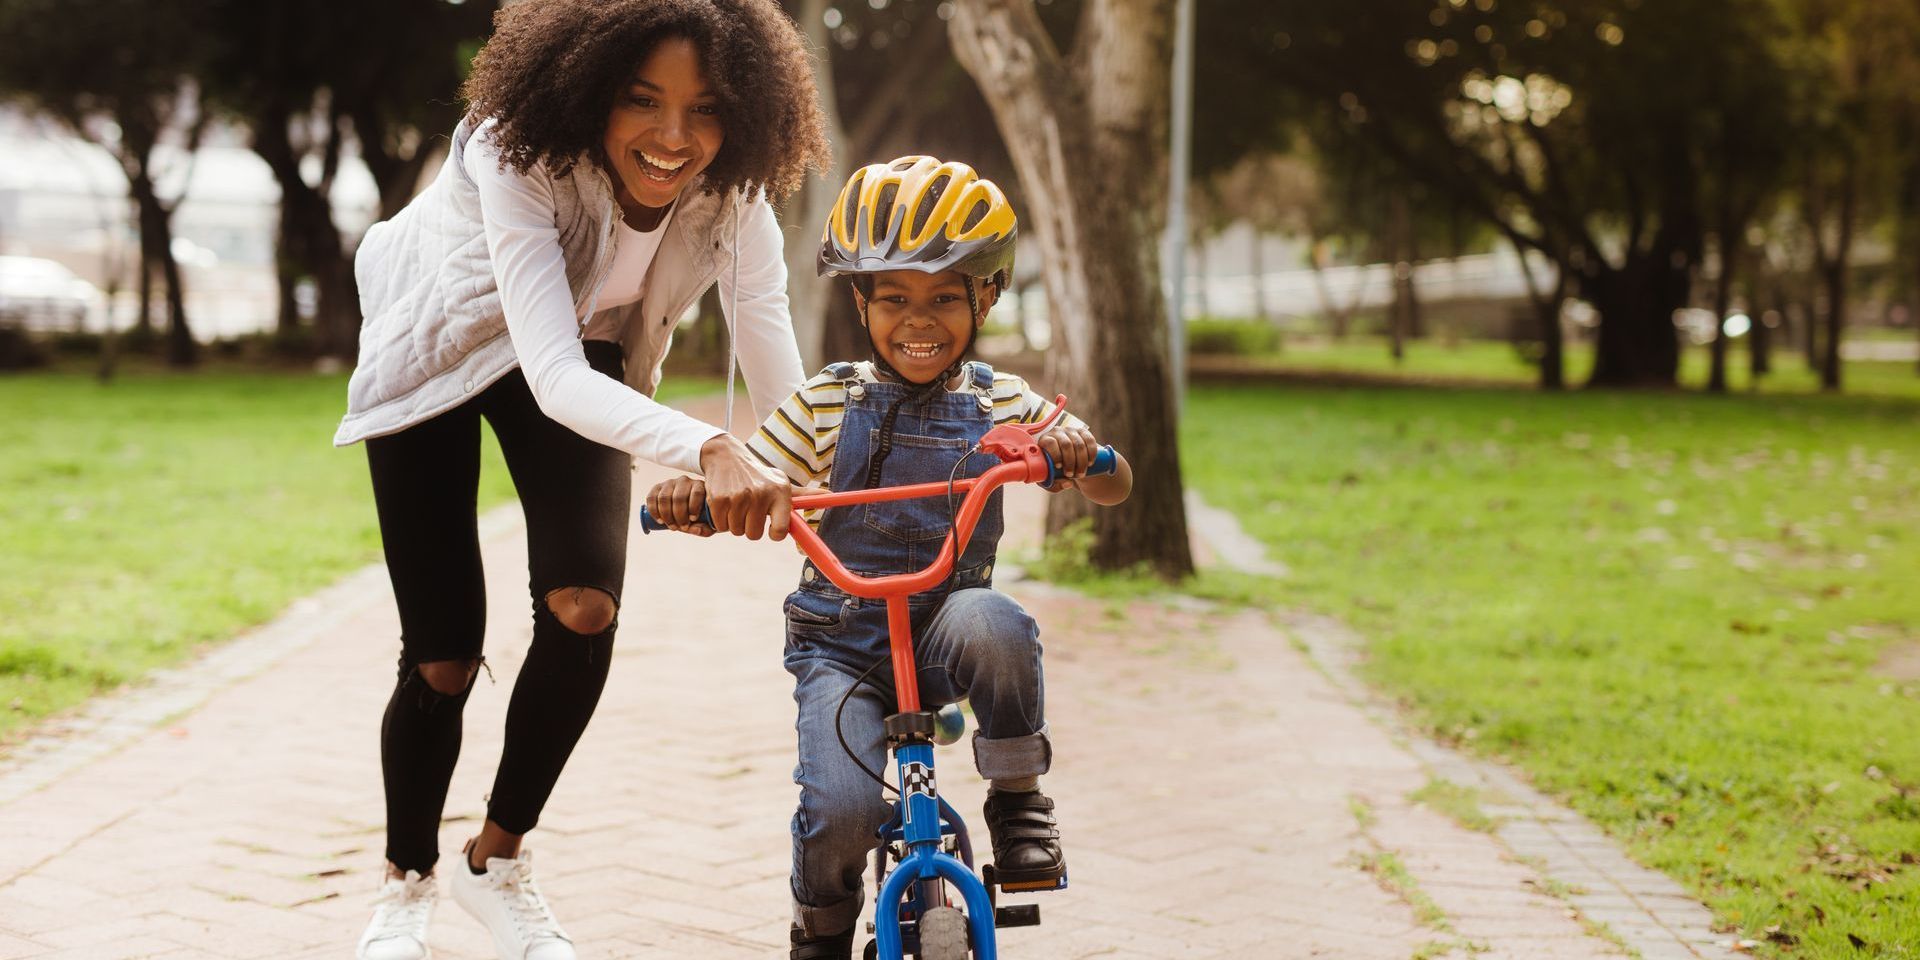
x=614 y=164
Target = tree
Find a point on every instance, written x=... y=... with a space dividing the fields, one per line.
x=118 y=73
x=278 y=69
x=1857 y=91
x=1085 y=127
x=1556 y=124
x=888 y=89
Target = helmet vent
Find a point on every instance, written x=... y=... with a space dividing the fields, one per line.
x=929 y=200
x=851 y=215
x=977 y=214
x=883 y=210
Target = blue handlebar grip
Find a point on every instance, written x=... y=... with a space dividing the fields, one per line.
x=1105 y=461
x=648 y=524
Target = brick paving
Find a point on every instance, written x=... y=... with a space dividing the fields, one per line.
x=1207 y=776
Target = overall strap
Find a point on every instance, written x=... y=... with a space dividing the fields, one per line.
x=982 y=376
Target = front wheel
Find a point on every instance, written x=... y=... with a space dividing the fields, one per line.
x=943 y=935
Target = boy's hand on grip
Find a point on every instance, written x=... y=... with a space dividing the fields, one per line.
x=677 y=504
x=1072 y=447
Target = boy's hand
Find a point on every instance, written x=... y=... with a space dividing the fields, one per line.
x=677 y=504
x=1072 y=447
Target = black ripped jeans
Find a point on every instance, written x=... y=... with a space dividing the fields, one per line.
x=576 y=495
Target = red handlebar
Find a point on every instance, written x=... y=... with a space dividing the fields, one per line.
x=1022 y=461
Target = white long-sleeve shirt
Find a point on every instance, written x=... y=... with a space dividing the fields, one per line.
x=523 y=244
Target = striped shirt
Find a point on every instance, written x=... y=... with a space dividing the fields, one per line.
x=801 y=435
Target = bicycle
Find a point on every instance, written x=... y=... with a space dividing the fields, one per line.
x=925 y=839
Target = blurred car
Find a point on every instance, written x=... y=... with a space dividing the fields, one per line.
x=44 y=296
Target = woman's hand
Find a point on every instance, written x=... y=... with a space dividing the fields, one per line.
x=744 y=495
x=677 y=504
x=1072 y=447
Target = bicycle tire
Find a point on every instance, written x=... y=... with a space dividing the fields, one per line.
x=943 y=935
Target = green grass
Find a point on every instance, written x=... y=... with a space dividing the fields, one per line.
x=1462 y=804
x=147 y=519
x=1497 y=362
x=1675 y=611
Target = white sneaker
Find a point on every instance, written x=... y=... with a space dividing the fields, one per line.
x=506 y=901
x=398 y=930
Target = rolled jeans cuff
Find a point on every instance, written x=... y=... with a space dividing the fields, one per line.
x=828 y=920
x=1010 y=758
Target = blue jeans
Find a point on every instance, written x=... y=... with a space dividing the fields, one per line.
x=979 y=645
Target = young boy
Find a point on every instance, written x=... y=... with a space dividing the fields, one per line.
x=928 y=247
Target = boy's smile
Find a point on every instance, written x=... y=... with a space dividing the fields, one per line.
x=920 y=322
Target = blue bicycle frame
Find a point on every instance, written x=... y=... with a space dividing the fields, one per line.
x=922 y=821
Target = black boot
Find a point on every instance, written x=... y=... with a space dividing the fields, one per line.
x=1026 y=841
x=839 y=946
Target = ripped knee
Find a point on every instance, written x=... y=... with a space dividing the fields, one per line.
x=449 y=678
x=587 y=611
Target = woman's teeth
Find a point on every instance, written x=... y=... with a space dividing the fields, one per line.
x=921 y=351
x=659 y=168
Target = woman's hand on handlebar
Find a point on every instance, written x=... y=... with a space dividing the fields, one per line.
x=677 y=502
x=744 y=495
x=1072 y=447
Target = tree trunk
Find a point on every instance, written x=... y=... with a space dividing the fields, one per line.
x=1833 y=267
x=1257 y=263
x=287 y=275
x=156 y=244
x=1722 y=303
x=1401 y=314
x=1082 y=130
x=181 y=350
x=143 y=320
x=1398 y=311
x=1547 y=306
x=1835 y=277
x=1339 y=318
x=1637 y=345
x=1809 y=315
x=809 y=297
x=310 y=243
x=1760 y=341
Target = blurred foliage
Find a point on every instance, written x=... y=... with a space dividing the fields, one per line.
x=1248 y=338
x=1619 y=138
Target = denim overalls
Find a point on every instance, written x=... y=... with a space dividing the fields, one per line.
x=972 y=642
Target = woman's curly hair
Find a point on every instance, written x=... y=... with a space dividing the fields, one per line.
x=551 y=72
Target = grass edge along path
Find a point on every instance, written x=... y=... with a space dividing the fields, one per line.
x=151 y=518
x=1672 y=611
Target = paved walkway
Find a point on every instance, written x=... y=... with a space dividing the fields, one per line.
x=1221 y=797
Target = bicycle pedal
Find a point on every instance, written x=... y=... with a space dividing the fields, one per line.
x=1034 y=886
x=1024 y=915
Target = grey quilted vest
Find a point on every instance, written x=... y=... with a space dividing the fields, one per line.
x=434 y=333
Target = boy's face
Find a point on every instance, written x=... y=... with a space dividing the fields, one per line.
x=919 y=322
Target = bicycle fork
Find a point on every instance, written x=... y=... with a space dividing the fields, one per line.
x=923 y=814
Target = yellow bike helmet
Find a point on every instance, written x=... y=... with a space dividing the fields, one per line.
x=918 y=213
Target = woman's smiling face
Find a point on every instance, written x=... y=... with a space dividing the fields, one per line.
x=665 y=127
